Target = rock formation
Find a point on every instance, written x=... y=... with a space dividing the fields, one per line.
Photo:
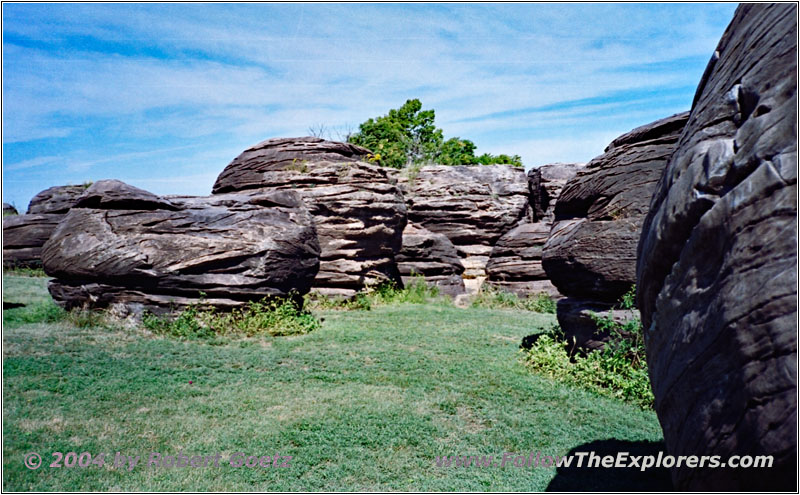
x=515 y=263
x=9 y=210
x=590 y=254
x=432 y=256
x=124 y=247
x=591 y=251
x=473 y=206
x=359 y=214
x=717 y=267
x=24 y=235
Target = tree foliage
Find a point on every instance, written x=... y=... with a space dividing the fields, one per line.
x=408 y=136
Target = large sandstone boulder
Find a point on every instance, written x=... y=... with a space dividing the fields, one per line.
x=24 y=235
x=473 y=206
x=359 y=214
x=515 y=263
x=590 y=254
x=432 y=256
x=591 y=250
x=717 y=268
x=123 y=246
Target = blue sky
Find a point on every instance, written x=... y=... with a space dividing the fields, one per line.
x=163 y=96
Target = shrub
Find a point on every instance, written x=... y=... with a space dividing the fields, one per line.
x=273 y=317
x=617 y=370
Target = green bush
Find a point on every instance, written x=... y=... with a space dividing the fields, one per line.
x=272 y=317
x=490 y=297
x=618 y=370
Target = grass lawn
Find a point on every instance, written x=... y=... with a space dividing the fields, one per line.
x=364 y=403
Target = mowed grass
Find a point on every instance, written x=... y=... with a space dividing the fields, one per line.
x=365 y=403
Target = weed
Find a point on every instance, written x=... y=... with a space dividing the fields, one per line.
x=490 y=297
x=24 y=271
x=35 y=312
x=87 y=318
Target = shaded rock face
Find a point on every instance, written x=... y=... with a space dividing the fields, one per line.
x=545 y=184
x=359 y=214
x=9 y=210
x=473 y=206
x=120 y=245
x=717 y=267
x=591 y=250
x=24 y=235
x=515 y=263
x=575 y=317
x=432 y=256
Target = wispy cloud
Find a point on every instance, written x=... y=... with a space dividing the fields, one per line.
x=154 y=84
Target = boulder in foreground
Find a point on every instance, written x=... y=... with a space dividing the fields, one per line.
x=124 y=247
x=717 y=267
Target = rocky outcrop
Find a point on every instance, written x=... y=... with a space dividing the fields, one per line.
x=717 y=267
x=591 y=250
x=515 y=263
x=9 y=210
x=473 y=206
x=358 y=213
x=24 y=235
x=124 y=247
x=590 y=254
x=432 y=256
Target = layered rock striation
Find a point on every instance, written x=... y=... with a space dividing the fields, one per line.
x=515 y=263
x=717 y=265
x=123 y=247
x=431 y=256
x=24 y=235
x=473 y=206
x=359 y=214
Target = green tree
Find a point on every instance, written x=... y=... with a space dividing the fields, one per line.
x=408 y=136
x=404 y=136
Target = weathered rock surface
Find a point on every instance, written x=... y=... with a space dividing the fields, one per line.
x=57 y=199
x=432 y=256
x=473 y=206
x=120 y=245
x=515 y=263
x=545 y=184
x=591 y=250
x=9 y=210
x=717 y=267
x=24 y=235
x=359 y=214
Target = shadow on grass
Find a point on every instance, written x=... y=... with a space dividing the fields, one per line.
x=600 y=479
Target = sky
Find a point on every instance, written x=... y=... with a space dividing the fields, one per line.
x=164 y=96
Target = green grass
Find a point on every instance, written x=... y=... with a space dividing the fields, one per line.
x=363 y=403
